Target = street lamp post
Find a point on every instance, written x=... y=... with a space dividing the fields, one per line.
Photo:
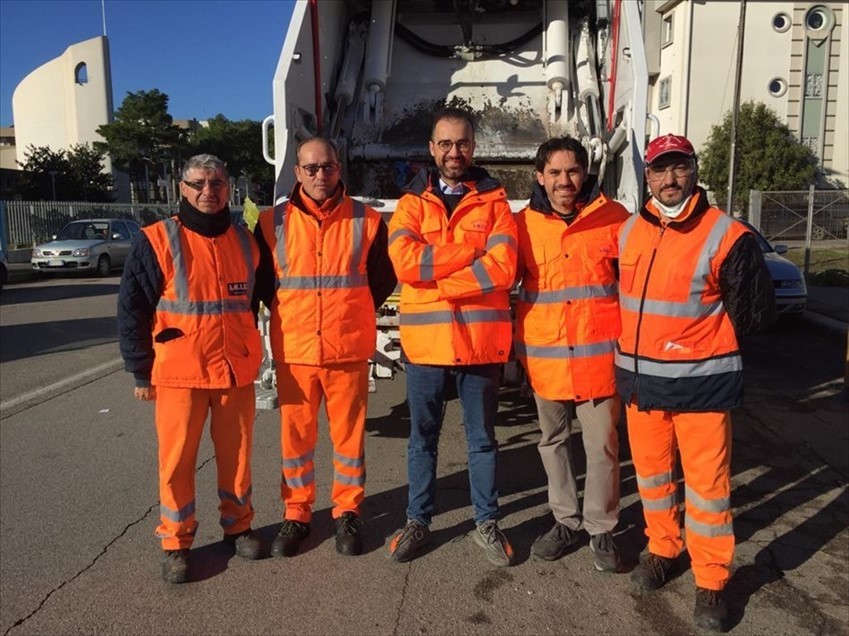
x=53 y=174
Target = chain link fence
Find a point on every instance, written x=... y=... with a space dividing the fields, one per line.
x=813 y=224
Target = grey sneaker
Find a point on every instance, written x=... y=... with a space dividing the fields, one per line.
x=652 y=571
x=496 y=546
x=605 y=552
x=710 y=612
x=175 y=566
x=246 y=544
x=407 y=543
x=554 y=543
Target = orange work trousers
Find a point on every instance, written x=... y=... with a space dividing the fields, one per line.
x=300 y=390
x=180 y=416
x=704 y=441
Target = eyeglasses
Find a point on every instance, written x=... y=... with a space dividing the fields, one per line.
x=312 y=168
x=678 y=170
x=464 y=145
x=215 y=184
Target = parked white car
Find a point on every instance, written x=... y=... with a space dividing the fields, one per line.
x=791 y=293
x=91 y=244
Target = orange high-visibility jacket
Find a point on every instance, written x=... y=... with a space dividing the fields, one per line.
x=204 y=333
x=567 y=314
x=323 y=311
x=454 y=307
x=678 y=350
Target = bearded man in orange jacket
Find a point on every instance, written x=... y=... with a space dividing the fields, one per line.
x=692 y=281
x=323 y=272
x=189 y=337
x=567 y=322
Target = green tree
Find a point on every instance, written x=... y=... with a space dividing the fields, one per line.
x=141 y=140
x=768 y=156
x=64 y=175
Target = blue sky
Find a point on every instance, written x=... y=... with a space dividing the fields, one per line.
x=208 y=56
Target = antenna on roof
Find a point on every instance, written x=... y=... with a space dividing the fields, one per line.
x=103 y=13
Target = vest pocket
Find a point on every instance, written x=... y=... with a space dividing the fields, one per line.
x=627 y=271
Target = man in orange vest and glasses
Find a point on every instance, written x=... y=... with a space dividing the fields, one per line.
x=567 y=322
x=692 y=281
x=453 y=244
x=188 y=335
x=323 y=272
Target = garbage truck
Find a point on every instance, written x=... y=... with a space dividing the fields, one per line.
x=369 y=74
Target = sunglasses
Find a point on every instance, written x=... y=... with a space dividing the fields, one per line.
x=215 y=184
x=312 y=168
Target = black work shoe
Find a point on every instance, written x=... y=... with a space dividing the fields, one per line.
x=407 y=543
x=348 y=539
x=554 y=543
x=175 y=566
x=289 y=538
x=246 y=544
x=496 y=547
x=652 y=571
x=710 y=612
x=605 y=552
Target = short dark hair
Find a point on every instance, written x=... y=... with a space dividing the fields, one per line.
x=452 y=112
x=557 y=144
x=324 y=140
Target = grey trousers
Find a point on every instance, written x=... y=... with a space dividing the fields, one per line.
x=599 y=419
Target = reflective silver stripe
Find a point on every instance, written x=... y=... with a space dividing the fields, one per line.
x=722 y=504
x=280 y=237
x=427 y=263
x=402 y=232
x=360 y=480
x=708 y=530
x=303 y=460
x=658 y=505
x=299 y=482
x=357 y=229
x=245 y=240
x=660 y=479
x=568 y=293
x=181 y=281
x=701 y=368
x=709 y=250
x=445 y=317
x=177 y=515
x=353 y=462
x=482 y=276
x=625 y=230
x=499 y=239
x=672 y=309
x=323 y=282
x=226 y=522
x=561 y=351
x=204 y=307
x=244 y=501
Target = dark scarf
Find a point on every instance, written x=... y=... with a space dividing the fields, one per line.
x=208 y=225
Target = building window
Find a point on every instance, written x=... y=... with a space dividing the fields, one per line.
x=777 y=86
x=81 y=73
x=818 y=21
x=781 y=22
x=664 y=92
x=666 y=31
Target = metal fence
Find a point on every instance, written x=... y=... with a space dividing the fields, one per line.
x=26 y=223
x=813 y=224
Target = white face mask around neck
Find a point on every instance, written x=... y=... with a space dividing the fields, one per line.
x=673 y=211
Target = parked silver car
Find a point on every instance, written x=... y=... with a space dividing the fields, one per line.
x=90 y=244
x=791 y=293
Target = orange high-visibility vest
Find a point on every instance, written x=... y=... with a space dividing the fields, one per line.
x=678 y=350
x=204 y=333
x=567 y=314
x=323 y=311
x=455 y=308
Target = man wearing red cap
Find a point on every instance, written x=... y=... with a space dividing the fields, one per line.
x=692 y=280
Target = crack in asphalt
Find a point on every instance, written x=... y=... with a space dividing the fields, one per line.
x=103 y=551
x=397 y=624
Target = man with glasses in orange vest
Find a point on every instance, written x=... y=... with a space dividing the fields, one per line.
x=323 y=272
x=692 y=281
x=189 y=337
x=567 y=322
x=453 y=244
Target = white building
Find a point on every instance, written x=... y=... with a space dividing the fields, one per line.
x=795 y=60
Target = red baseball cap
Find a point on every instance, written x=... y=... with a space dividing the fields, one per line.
x=668 y=144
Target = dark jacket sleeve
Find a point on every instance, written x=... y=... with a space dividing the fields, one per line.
x=141 y=288
x=381 y=275
x=748 y=292
x=264 y=283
